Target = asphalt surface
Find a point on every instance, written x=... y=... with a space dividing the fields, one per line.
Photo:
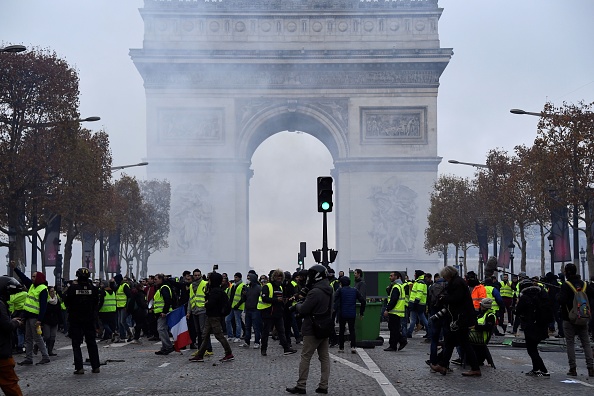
x=131 y=369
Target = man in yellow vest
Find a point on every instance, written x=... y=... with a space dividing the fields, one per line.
x=395 y=312
x=234 y=317
x=107 y=310
x=161 y=308
x=16 y=306
x=35 y=307
x=507 y=295
x=196 y=309
x=417 y=304
x=122 y=295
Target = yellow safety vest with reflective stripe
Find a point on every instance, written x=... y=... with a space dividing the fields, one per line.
x=198 y=296
x=32 y=300
x=109 y=302
x=294 y=288
x=237 y=296
x=121 y=298
x=481 y=321
x=62 y=304
x=495 y=306
x=506 y=289
x=159 y=300
x=262 y=304
x=17 y=301
x=401 y=304
x=419 y=291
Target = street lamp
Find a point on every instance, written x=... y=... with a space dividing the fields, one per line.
x=13 y=48
x=117 y=168
x=583 y=259
x=460 y=264
x=576 y=237
x=552 y=251
x=511 y=248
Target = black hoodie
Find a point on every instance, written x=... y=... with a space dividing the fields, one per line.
x=216 y=298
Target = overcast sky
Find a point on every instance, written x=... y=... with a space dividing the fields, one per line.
x=507 y=54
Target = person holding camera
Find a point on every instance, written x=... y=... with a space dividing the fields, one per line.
x=9 y=381
x=318 y=304
x=460 y=318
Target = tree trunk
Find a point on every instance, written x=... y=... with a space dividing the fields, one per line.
x=523 y=243
x=70 y=235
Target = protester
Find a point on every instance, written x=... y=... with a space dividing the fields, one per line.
x=9 y=381
x=345 y=305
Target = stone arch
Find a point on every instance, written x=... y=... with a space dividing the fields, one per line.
x=277 y=118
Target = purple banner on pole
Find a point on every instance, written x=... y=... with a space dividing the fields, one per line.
x=506 y=239
x=113 y=258
x=483 y=239
x=560 y=233
x=51 y=241
x=88 y=247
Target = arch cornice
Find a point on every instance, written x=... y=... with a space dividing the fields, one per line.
x=324 y=118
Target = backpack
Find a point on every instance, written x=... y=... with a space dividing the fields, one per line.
x=580 y=313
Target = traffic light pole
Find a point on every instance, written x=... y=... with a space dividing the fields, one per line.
x=325 y=241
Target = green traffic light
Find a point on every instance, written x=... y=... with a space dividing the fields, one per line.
x=325 y=206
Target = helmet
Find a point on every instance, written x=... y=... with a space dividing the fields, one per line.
x=316 y=273
x=9 y=285
x=83 y=274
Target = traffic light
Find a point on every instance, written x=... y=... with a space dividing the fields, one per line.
x=299 y=261
x=317 y=254
x=333 y=254
x=325 y=194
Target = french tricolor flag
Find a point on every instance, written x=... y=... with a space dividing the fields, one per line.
x=176 y=320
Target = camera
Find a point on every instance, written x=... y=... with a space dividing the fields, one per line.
x=439 y=314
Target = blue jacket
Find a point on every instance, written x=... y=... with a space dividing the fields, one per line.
x=345 y=302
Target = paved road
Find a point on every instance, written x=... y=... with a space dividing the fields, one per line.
x=135 y=370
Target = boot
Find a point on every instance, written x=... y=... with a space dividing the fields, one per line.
x=572 y=371
x=590 y=371
x=50 y=348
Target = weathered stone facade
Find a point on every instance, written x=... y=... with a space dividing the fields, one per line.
x=221 y=76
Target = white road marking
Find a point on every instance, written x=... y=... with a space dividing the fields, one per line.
x=165 y=365
x=372 y=371
x=572 y=381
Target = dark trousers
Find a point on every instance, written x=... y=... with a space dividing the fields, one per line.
x=342 y=322
x=86 y=330
x=395 y=327
x=458 y=338
x=532 y=348
x=108 y=320
x=280 y=329
x=213 y=326
x=291 y=324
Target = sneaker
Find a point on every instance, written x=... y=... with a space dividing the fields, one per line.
x=245 y=345
x=544 y=374
x=227 y=358
x=532 y=373
x=197 y=359
x=289 y=351
x=25 y=363
x=353 y=350
x=136 y=342
x=340 y=350
x=164 y=352
x=195 y=353
x=43 y=361
x=256 y=346
x=79 y=371
x=208 y=353
x=236 y=339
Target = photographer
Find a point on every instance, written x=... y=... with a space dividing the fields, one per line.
x=461 y=316
x=436 y=291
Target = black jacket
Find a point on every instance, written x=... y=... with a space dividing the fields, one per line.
x=82 y=300
x=6 y=329
x=317 y=302
x=217 y=302
x=459 y=302
x=565 y=295
x=277 y=308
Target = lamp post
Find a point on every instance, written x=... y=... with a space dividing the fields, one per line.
x=511 y=248
x=583 y=259
x=576 y=237
x=13 y=48
x=552 y=251
x=460 y=264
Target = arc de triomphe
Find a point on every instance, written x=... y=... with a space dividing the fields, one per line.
x=362 y=76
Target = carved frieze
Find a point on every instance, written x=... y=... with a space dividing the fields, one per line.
x=196 y=125
x=393 y=125
x=191 y=220
x=394 y=217
x=334 y=109
x=268 y=77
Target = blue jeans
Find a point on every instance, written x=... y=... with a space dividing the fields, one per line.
x=235 y=313
x=416 y=311
x=122 y=315
x=253 y=318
